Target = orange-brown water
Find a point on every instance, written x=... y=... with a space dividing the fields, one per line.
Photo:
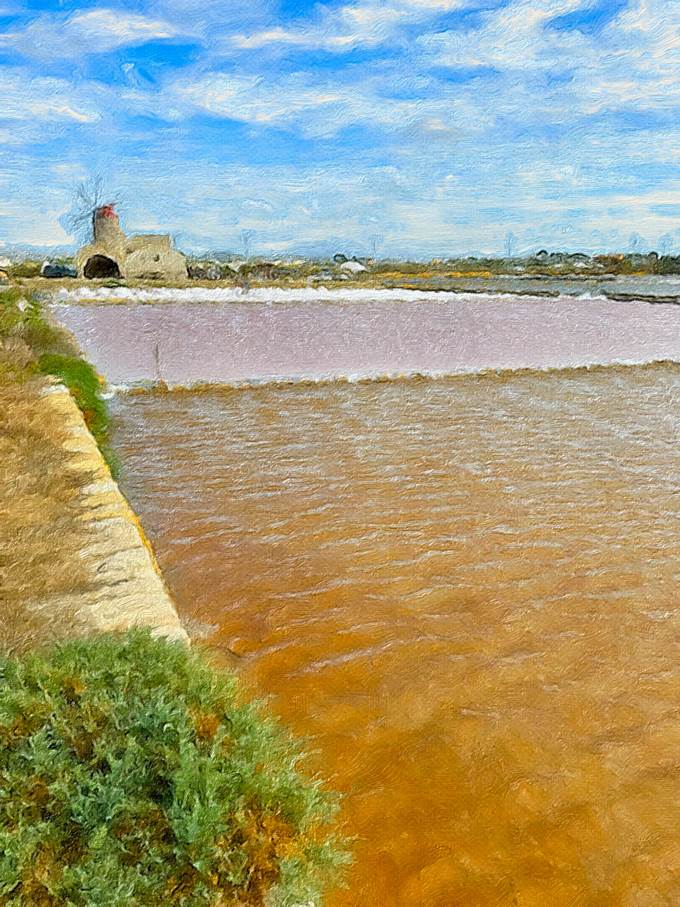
x=464 y=592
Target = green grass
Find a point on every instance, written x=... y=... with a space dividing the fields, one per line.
x=130 y=773
x=53 y=352
x=83 y=382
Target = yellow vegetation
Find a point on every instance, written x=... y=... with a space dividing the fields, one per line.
x=40 y=533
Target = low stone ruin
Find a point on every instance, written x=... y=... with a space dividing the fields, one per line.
x=112 y=254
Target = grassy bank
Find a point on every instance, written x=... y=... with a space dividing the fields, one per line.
x=32 y=345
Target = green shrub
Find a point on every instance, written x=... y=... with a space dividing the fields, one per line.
x=27 y=268
x=44 y=336
x=131 y=775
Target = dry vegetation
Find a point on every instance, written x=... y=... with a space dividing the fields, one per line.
x=40 y=530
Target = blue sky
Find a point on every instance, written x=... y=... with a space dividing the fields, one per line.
x=423 y=127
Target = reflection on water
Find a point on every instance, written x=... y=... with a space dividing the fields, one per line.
x=464 y=592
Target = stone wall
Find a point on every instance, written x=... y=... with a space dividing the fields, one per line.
x=125 y=586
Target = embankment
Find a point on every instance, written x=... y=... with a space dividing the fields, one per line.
x=73 y=557
x=124 y=587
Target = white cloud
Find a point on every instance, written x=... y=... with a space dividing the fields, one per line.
x=462 y=160
x=511 y=38
x=251 y=99
x=94 y=31
x=633 y=62
x=368 y=23
x=111 y=28
x=640 y=67
x=69 y=172
x=43 y=99
x=318 y=107
x=270 y=36
x=34 y=219
x=416 y=210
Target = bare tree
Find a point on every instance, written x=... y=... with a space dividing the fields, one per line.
x=665 y=244
x=375 y=240
x=247 y=237
x=510 y=244
x=87 y=197
x=635 y=242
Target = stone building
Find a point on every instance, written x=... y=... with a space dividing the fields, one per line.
x=113 y=254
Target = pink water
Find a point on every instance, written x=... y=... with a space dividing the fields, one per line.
x=185 y=343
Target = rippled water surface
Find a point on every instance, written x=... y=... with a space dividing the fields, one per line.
x=464 y=591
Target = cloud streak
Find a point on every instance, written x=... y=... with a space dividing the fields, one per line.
x=43 y=99
x=344 y=28
x=94 y=31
